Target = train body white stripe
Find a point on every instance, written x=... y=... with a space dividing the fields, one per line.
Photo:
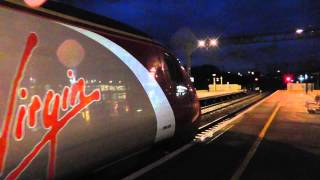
x=163 y=111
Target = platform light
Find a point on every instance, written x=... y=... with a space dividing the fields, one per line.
x=208 y=43
x=201 y=43
x=213 y=42
x=301 y=78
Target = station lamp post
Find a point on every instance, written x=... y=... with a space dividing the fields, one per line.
x=203 y=43
x=209 y=43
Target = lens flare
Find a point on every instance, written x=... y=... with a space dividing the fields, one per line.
x=70 y=53
x=34 y=3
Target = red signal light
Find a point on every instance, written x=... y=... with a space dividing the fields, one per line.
x=288 y=78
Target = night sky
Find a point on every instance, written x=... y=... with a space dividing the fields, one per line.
x=163 y=19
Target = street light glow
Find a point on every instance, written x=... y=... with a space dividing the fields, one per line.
x=208 y=42
x=299 y=31
x=201 y=43
x=301 y=78
x=213 y=42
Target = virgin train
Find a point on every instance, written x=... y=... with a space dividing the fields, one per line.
x=78 y=90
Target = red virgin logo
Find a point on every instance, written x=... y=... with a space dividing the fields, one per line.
x=56 y=110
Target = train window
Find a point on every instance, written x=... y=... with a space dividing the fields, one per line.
x=174 y=68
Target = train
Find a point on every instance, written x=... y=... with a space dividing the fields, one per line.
x=78 y=90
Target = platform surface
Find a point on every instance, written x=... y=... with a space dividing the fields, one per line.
x=314 y=93
x=278 y=139
x=203 y=94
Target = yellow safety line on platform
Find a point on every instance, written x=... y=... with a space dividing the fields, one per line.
x=255 y=146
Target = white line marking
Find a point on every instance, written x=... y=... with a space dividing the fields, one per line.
x=255 y=146
x=159 y=162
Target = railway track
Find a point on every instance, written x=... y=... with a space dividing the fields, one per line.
x=215 y=114
x=224 y=104
x=215 y=120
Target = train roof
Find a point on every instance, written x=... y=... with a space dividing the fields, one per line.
x=82 y=17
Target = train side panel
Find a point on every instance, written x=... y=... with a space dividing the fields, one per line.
x=71 y=98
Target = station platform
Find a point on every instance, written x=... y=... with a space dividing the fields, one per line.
x=288 y=136
x=275 y=139
x=204 y=94
x=314 y=93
